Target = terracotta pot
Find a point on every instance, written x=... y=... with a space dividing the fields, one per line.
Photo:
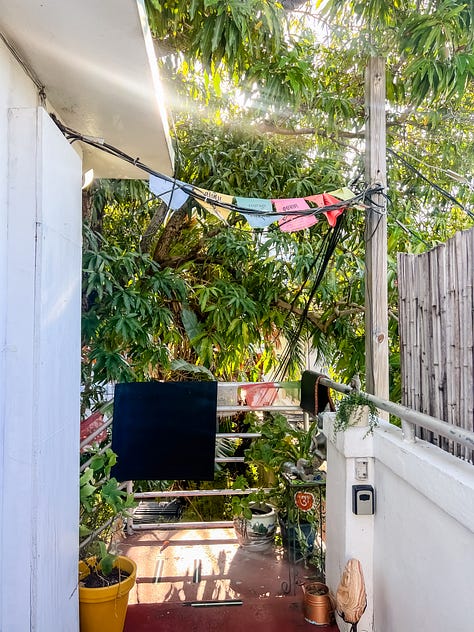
x=317 y=603
x=104 y=609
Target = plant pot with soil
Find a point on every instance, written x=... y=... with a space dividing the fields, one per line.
x=255 y=520
x=317 y=604
x=257 y=533
x=105 y=579
x=103 y=598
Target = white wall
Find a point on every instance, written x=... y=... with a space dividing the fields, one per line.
x=417 y=551
x=347 y=535
x=40 y=264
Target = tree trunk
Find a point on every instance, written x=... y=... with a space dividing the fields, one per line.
x=152 y=228
x=170 y=235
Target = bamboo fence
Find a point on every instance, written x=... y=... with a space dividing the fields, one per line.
x=436 y=322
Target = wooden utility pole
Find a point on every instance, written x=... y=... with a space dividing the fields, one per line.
x=376 y=301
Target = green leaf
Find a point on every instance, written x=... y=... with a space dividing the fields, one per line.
x=84 y=531
x=107 y=560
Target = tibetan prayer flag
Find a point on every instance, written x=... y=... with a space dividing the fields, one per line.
x=296 y=222
x=257 y=220
x=325 y=199
x=293 y=222
x=346 y=194
x=332 y=216
x=342 y=194
x=168 y=191
x=291 y=204
x=211 y=202
x=316 y=199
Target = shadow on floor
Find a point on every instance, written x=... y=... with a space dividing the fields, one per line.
x=206 y=567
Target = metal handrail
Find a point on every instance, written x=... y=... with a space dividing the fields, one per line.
x=168 y=526
x=246 y=409
x=101 y=451
x=184 y=493
x=410 y=418
x=94 y=434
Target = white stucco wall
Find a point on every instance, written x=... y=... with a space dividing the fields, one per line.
x=347 y=535
x=417 y=551
x=40 y=273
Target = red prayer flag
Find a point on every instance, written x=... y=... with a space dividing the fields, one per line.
x=325 y=199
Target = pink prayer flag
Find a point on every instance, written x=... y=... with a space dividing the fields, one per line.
x=291 y=204
x=317 y=199
x=290 y=223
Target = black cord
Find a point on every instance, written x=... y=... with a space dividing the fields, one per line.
x=323 y=257
x=74 y=136
x=435 y=186
x=407 y=229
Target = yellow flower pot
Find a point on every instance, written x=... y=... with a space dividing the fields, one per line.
x=104 y=609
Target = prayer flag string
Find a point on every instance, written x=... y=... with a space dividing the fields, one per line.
x=292 y=214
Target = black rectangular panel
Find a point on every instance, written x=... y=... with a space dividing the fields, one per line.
x=164 y=430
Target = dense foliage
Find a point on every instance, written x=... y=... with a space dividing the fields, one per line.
x=267 y=100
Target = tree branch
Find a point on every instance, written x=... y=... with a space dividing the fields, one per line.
x=318 y=321
x=269 y=128
x=170 y=235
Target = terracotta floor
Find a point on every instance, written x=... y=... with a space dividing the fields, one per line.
x=185 y=575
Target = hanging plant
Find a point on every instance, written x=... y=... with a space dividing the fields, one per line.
x=348 y=412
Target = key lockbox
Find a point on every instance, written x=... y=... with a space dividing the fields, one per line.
x=363 y=500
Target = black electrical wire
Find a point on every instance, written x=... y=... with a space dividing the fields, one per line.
x=323 y=257
x=403 y=226
x=435 y=186
x=100 y=144
x=325 y=252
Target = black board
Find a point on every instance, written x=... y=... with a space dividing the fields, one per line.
x=164 y=430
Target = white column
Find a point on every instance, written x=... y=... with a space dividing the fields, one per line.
x=41 y=358
x=348 y=535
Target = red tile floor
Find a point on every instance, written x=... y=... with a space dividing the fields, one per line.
x=185 y=575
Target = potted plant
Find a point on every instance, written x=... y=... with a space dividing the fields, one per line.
x=286 y=455
x=105 y=579
x=317 y=603
x=255 y=520
x=354 y=409
x=299 y=510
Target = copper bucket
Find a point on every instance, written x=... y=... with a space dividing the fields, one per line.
x=317 y=603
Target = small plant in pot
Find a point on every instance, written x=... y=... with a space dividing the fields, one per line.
x=281 y=450
x=105 y=579
x=355 y=409
x=299 y=528
x=255 y=520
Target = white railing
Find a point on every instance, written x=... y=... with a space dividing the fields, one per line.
x=411 y=418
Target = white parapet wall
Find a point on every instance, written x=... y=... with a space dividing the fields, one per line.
x=417 y=550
